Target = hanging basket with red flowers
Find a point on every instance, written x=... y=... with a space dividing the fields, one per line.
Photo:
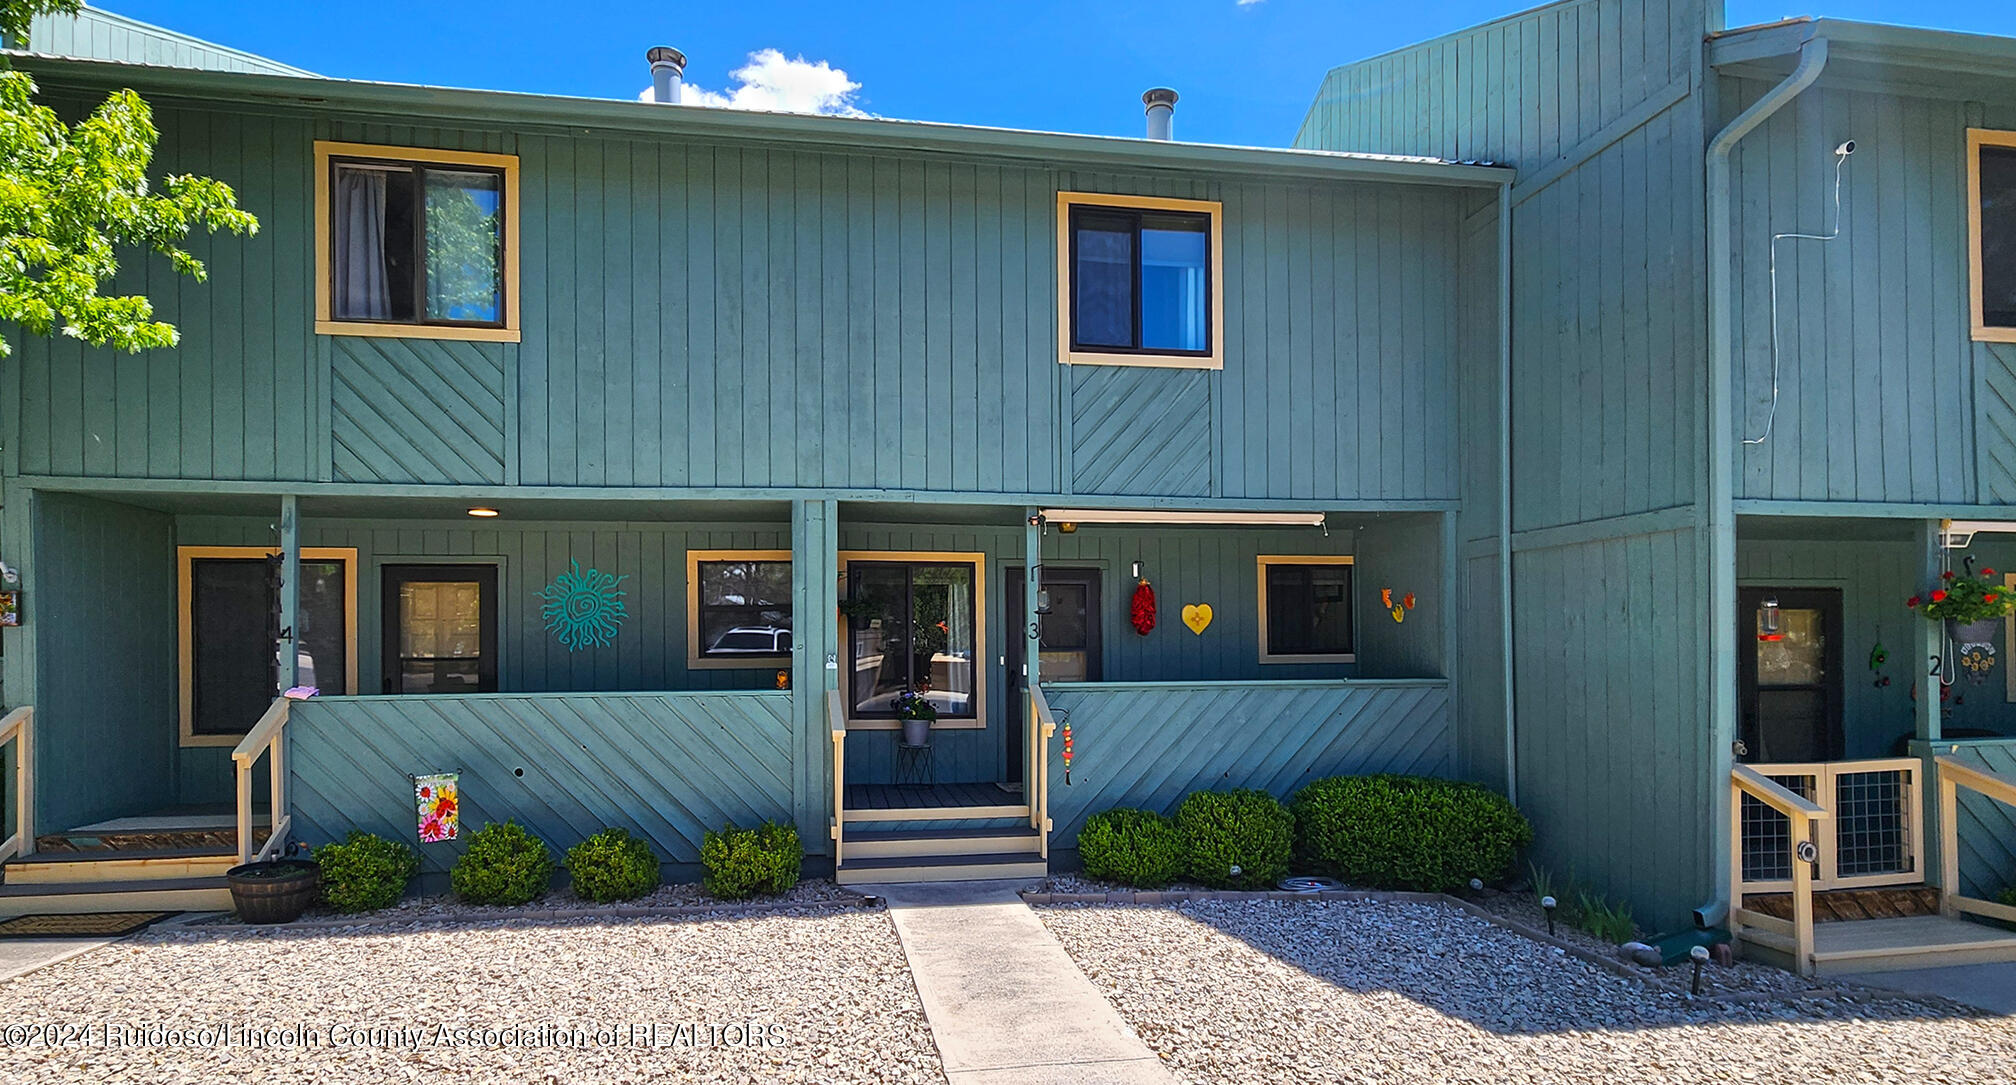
x=1142 y=611
x=1963 y=600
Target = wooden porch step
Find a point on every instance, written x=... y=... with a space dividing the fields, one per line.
x=937 y=813
x=942 y=868
x=80 y=868
x=937 y=842
x=152 y=895
x=1884 y=945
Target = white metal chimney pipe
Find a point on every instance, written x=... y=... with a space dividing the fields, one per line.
x=1161 y=104
x=668 y=65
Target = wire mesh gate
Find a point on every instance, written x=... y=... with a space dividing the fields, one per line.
x=1876 y=831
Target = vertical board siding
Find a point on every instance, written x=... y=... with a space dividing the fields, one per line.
x=240 y=396
x=1149 y=745
x=1608 y=318
x=102 y=602
x=431 y=414
x=666 y=766
x=1881 y=396
x=91 y=34
x=1614 y=766
x=1608 y=305
x=714 y=315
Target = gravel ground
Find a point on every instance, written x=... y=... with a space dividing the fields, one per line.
x=816 y=995
x=1268 y=991
x=681 y=895
x=1742 y=977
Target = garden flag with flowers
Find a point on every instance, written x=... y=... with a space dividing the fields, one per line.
x=437 y=800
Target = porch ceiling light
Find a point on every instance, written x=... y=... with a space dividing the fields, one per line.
x=1169 y=516
x=483 y=512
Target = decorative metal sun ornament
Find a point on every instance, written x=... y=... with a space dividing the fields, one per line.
x=583 y=609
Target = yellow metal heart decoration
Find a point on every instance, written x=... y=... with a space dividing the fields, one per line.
x=1197 y=616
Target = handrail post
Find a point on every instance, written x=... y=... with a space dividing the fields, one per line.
x=837 y=722
x=24 y=780
x=1949 y=844
x=244 y=772
x=1802 y=897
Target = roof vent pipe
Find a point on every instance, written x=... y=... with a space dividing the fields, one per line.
x=667 y=66
x=1161 y=103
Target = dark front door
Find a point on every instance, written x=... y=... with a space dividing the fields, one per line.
x=440 y=628
x=1070 y=644
x=1788 y=656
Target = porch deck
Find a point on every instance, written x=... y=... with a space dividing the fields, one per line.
x=932 y=802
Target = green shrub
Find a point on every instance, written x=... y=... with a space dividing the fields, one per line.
x=504 y=865
x=744 y=862
x=1611 y=922
x=1132 y=847
x=1407 y=832
x=364 y=872
x=2008 y=896
x=612 y=865
x=1234 y=839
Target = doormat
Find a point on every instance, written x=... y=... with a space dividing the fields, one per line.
x=82 y=925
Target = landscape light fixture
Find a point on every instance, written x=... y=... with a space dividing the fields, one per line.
x=1547 y=905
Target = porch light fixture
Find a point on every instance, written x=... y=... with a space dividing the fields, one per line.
x=483 y=512
x=1768 y=625
x=1162 y=516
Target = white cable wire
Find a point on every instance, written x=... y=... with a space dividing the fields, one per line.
x=1771 y=419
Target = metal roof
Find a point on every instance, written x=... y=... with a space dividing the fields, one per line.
x=410 y=103
x=1901 y=59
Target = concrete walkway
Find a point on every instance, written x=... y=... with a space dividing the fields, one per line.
x=1990 y=987
x=1005 y=1002
x=20 y=956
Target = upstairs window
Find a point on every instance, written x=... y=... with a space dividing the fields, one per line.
x=1305 y=610
x=1991 y=211
x=416 y=243
x=1139 y=281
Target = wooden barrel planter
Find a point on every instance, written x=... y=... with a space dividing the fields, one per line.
x=277 y=891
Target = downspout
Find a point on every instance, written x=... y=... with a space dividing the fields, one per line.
x=1721 y=440
x=1505 y=486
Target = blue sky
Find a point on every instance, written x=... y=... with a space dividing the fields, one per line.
x=1246 y=71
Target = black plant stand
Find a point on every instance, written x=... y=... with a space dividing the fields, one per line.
x=914 y=764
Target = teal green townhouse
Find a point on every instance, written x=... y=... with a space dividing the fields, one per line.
x=1570 y=406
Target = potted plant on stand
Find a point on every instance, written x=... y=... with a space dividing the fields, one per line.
x=918 y=714
x=1971 y=605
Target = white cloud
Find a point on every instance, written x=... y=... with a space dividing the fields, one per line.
x=1250 y=3
x=772 y=82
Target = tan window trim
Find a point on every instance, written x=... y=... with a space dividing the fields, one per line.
x=694 y=660
x=326 y=324
x=185 y=629
x=1216 y=303
x=1261 y=564
x=948 y=557
x=1978 y=138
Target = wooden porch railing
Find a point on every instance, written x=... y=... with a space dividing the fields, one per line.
x=19 y=728
x=1795 y=936
x=1042 y=725
x=836 y=718
x=266 y=737
x=1877 y=834
x=1954 y=775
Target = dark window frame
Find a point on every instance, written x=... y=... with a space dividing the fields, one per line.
x=1269 y=652
x=418 y=170
x=974 y=704
x=391 y=575
x=701 y=608
x=1137 y=214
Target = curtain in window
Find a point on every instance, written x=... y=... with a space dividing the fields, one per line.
x=361 y=287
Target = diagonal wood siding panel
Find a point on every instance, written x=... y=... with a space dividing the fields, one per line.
x=666 y=766
x=1150 y=744
x=1140 y=431
x=432 y=413
x=1987 y=828
x=1995 y=422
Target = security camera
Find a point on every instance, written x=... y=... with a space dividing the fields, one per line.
x=1847 y=148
